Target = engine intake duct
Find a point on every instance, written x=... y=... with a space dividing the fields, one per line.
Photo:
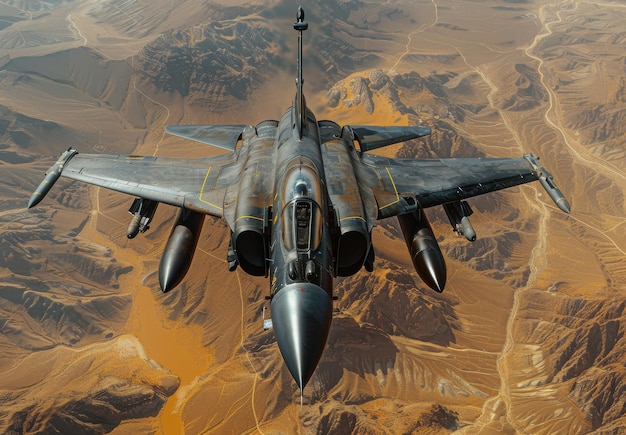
x=249 y=242
x=424 y=249
x=353 y=246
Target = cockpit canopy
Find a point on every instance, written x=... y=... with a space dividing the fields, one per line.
x=301 y=215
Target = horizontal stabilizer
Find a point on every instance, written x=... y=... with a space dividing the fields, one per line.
x=220 y=136
x=377 y=137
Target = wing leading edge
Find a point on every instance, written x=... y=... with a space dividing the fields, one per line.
x=220 y=136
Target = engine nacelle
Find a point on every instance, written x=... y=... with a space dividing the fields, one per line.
x=353 y=245
x=142 y=211
x=351 y=199
x=247 y=207
x=249 y=243
x=424 y=249
x=458 y=215
x=180 y=248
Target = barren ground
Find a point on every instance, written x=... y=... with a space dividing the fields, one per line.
x=528 y=335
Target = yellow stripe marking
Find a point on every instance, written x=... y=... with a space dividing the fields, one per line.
x=352 y=217
x=394 y=189
x=206 y=177
x=249 y=217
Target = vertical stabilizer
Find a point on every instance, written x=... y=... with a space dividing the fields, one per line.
x=299 y=104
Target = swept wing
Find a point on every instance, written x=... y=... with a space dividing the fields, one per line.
x=432 y=182
x=195 y=184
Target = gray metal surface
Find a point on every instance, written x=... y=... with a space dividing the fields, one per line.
x=196 y=184
x=220 y=136
x=435 y=182
x=301 y=317
x=371 y=137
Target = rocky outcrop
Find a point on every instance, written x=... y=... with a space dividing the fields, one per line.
x=81 y=68
x=365 y=90
x=22 y=136
x=396 y=307
x=528 y=91
x=344 y=421
x=39 y=313
x=110 y=383
x=491 y=255
x=584 y=339
x=361 y=89
x=222 y=59
x=436 y=418
x=38 y=321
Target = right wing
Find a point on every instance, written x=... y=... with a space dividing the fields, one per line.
x=398 y=182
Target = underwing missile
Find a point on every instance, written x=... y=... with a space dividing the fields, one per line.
x=52 y=175
x=458 y=215
x=547 y=181
x=142 y=211
x=553 y=191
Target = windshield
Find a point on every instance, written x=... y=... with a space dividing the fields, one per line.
x=301 y=216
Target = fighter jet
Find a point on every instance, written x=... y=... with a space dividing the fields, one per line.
x=300 y=197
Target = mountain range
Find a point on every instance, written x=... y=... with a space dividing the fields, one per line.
x=528 y=336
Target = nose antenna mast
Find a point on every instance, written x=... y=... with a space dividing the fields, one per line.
x=300 y=105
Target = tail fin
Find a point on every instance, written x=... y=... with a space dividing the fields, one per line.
x=299 y=104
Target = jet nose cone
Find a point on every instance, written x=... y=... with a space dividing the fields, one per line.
x=301 y=317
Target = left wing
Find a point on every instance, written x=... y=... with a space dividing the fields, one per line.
x=195 y=184
x=398 y=183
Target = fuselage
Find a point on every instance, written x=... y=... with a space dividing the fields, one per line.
x=301 y=274
x=301 y=245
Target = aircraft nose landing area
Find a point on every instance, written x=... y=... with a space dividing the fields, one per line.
x=301 y=315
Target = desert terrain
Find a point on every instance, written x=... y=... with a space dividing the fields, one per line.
x=528 y=336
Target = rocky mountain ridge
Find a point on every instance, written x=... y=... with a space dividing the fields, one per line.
x=222 y=58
